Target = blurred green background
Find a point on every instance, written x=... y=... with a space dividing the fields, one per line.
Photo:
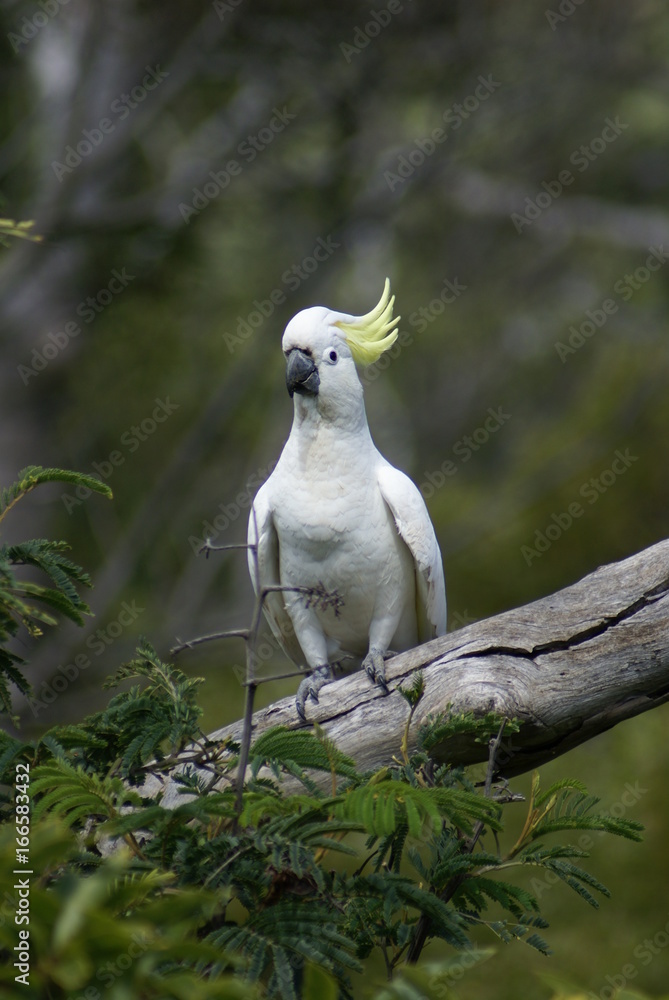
x=200 y=173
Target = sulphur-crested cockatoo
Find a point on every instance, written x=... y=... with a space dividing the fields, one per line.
x=336 y=521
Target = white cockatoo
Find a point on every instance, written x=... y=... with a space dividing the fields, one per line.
x=338 y=522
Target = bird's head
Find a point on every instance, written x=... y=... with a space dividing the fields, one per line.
x=322 y=348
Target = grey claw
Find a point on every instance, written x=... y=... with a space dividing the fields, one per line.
x=299 y=705
x=309 y=688
x=375 y=666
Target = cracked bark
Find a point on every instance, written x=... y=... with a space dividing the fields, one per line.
x=568 y=666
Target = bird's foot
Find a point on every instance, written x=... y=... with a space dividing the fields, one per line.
x=374 y=664
x=310 y=686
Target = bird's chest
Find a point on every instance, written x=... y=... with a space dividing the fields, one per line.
x=330 y=529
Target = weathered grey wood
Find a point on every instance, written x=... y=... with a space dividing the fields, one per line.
x=568 y=666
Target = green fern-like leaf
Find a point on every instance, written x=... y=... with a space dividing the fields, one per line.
x=48 y=556
x=439 y=729
x=303 y=931
x=397 y=892
x=10 y=673
x=303 y=749
x=71 y=794
x=566 y=805
x=413 y=692
x=286 y=819
x=508 y=932
x=513 y=898
x=35 y=475
x=630 y=829
x=555 y=861
x=28 y=604
x=147 y=722
x=561 y=785
x=53 y=599
x=381 y=807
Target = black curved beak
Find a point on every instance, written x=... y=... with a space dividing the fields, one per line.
x=301 y=374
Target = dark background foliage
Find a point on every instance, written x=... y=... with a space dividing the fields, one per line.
x=172 y=387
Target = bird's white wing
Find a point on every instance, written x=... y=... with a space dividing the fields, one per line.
x=264 y=570
x=416 y=530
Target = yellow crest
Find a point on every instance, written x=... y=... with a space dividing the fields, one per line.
x=369 y=336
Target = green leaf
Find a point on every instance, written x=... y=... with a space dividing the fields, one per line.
x=34 y=475
x=414 y=691
x=561 y=784
x=58 y=601
x=438 y=729
x=70 y=793
x=381 y=807
x=300 y=748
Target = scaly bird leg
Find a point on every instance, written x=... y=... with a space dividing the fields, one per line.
x=374 y=664
x=310 y=686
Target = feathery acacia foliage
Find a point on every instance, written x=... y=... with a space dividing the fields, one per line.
x=299 y=881
x=30 y=605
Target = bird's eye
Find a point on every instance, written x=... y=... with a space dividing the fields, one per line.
x=331 y=356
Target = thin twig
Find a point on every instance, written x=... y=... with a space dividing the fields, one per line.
x=208 y=547
x=280 y=677
x=233 y=633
